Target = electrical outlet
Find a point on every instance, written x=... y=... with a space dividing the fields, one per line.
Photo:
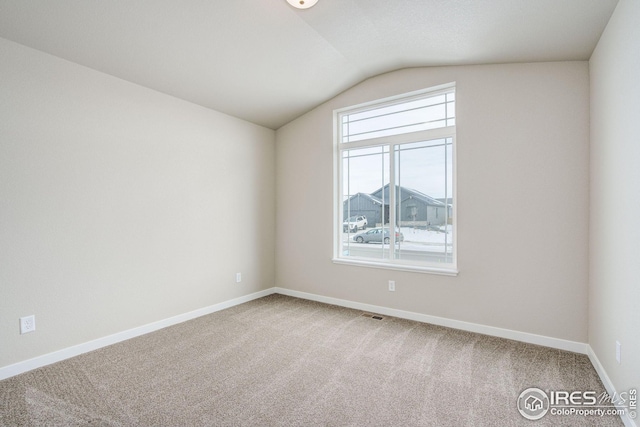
x=392 y=285
x=618 y=350
x=27 y=324
x=238 y=277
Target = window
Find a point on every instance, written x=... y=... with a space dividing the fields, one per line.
x=399 y=153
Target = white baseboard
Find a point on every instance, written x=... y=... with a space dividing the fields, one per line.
x=76 y=350
x=576 y=347
x=47 y=359
x=628 y=422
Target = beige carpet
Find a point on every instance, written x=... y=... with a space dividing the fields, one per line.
x=286 y=361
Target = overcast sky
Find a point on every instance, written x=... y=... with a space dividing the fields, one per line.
x=420 y=169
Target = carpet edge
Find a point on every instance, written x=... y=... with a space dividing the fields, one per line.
x=557 y=343
x=76 y=350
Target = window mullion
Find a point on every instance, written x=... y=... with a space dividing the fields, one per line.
x=446 y=201
x=392 y=202
x=423 y=135
x=348 y=198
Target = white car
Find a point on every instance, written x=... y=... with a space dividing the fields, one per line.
x=354 y=224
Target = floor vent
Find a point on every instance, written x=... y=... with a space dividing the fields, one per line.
x=372 y=316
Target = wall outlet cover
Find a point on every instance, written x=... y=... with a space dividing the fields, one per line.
x=27 y=324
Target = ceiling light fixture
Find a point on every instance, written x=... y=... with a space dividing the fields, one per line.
x=302 y=4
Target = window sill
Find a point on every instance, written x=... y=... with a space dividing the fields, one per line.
x=398 y=267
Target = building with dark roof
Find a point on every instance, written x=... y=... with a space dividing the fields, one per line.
x=416 y=209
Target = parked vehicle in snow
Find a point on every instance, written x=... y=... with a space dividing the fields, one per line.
x=377 y=235
x=354 y=224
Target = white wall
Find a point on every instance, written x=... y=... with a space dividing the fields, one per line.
x=120 y=206
x=614 y=297
x=523 y=160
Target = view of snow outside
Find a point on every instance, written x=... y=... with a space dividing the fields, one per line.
x=415 y=239
x=425 y=167
x=422 y=179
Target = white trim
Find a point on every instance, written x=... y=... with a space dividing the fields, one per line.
x=57 y=356
x=388 y=265
x=401 y=138
x=628 y=422
x=76 y=350
x=577 y=347
x=400 y=98
x=392 y=141
x=574 y=346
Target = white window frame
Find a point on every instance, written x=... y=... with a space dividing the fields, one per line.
x=449 y=269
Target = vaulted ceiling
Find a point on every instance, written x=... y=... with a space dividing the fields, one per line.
x=267 y=62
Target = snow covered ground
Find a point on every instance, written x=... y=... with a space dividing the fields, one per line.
x=416 y=235
x=417 y=239
x=426 y=240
